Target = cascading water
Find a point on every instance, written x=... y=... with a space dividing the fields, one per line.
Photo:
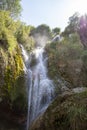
x=40 y=87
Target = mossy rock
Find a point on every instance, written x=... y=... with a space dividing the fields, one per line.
x=19 y=96
x=67 y=112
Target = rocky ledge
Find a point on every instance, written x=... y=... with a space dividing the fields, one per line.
x=67 y=112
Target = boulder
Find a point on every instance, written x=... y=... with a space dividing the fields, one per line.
x=67 y=112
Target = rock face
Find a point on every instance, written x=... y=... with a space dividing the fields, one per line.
x=67 y=112
x=13 y=99
x=12 y=81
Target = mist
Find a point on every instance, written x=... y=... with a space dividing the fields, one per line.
x=41 y=40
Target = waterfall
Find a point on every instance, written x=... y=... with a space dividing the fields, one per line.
x=40 y=87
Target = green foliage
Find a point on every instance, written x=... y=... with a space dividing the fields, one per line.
x=13 y=69
x=71 y=46
x=82 y=30
x=12 y=80
x=72 y=25
x=84 y=58
x=23 y=37
x=77 y=112
x=68 y=48
x=8 y=40
x=12 y=32
x=78 y=25
x=7 y=37
x=68 y=59
x=5 y=20
x=66 y=112
x=13 y=87
x=13 y=6
x=56 y=31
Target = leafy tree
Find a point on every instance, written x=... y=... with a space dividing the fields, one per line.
x=6 y=22
x=32 y=29
x=7 y=31
x=13 y=6
x=56 y=31
x=23 y=36
x=12 y=32
x=72 y=25
x=83 y=30
x=73 y=22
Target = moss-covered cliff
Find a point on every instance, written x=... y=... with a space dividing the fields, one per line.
x=11 y=72
x=13 y=94
x=12 y=77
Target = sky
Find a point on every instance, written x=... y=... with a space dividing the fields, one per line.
x=54 y=13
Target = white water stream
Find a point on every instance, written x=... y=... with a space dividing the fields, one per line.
x=40 y=87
